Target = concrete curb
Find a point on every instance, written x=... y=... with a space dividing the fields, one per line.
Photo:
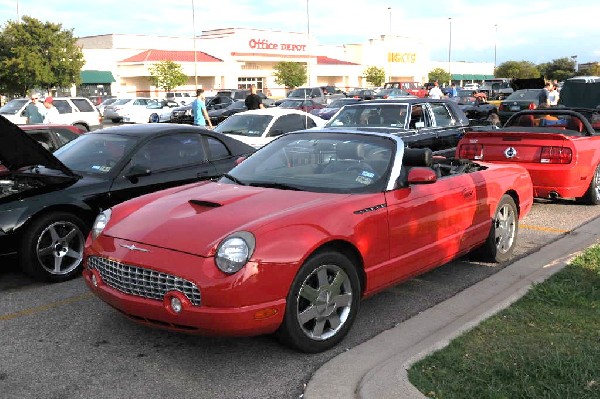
x=377 y=368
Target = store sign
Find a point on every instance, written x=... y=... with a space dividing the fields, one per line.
x=406 y=58
x=262 y=44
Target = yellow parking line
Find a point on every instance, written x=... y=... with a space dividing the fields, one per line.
x=43 y=308
x=540 y=228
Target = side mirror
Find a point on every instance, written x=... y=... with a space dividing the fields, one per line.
x=421 y=175
x=136 y=171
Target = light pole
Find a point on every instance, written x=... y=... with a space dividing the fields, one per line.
x=450 y=49
x=574 y=58
x=194 y=40
x=389 y=49
x=495 y=45
x=307 y=44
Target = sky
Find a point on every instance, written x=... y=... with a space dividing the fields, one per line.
x=470 y=30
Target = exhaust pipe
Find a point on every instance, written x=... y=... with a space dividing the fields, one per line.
x=553 y=195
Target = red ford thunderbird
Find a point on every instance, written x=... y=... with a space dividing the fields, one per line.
x=293 y=237
x=559 y=147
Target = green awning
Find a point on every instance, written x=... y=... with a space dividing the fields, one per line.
x=96 y=77
x=470 y=76
x=457 y=76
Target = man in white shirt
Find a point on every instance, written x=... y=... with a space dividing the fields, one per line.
x=51 y=111
x=435 y=91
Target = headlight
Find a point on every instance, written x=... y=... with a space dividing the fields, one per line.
x=235 y=251
x=100 y=223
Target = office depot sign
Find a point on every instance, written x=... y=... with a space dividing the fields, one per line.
x=263 y=44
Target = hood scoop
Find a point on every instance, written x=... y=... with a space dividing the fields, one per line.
x=208 y=204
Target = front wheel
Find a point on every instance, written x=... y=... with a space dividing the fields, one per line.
x=322 y=303
x=52 y=247
x=592 y=195
x=502 y=238
x=154 y=118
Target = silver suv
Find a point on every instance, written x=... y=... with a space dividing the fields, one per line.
x=76 y=111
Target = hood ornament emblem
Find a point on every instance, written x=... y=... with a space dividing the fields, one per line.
x=510 y=152
x=132 y=247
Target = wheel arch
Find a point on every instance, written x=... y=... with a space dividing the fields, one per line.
x=86 y=215
x=351 y=252
x=513 y=194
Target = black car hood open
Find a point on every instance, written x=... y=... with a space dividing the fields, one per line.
x=527 y=83
x=18 y=149
x=579 y=94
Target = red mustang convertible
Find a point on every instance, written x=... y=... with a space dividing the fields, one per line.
x=559 y=147
x=293 y=237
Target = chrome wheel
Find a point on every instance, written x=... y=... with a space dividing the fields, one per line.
x=324 y=302
x=505 y=228
x=59 y=247
x=154 y=118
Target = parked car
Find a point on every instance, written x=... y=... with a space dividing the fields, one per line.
x=76 y=111
x=52 y=137
x=471 y=86
x=100 y=107
x=363 y=94
x=476 y=108
x=218 y=113
x=156 y=112
x=333 y=107
x=184 y=114
x=413 y=88
x=258 y=127
x=181 y=98
x=420 y=122
x=125 y=106
x=290 y=240
x=302 y=105
x=518 y=101
x=241 y=94
x=391 y=94
x=49 y=201
x=320 y=94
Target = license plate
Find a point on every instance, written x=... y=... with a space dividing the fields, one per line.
x=515 y=108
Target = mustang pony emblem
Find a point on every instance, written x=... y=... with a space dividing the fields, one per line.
x=510 y=152
x=132 y=247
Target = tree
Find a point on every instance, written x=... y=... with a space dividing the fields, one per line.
x=374 y=75
x=559 y=69
x=290 y=74
x=593 y=70
x=167 y=75
x=517 y=69
x=439 y=74
x=34 y=54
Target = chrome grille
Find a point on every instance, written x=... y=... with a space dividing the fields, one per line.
x=142 y=282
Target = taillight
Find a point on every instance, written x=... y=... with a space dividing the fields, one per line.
x=501 y=107
x=386 y=96
x=470 y=151
x=532 y=106
x=559 y=155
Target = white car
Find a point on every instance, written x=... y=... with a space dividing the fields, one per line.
x=76 y=111
x=124 y=106
x=258 y=127
x=471 y=86
x=159 y=111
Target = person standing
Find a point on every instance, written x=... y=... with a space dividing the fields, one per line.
x=34 y=112
x=253 y=101
x=199 y=110
x=553 y=96
x=435 y=91
x=543 y=97
x=52 y=113
x=453 y=91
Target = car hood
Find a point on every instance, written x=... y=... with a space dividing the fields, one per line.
x=194 y=220
x=18 y=149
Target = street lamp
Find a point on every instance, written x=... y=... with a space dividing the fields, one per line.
x=307 y=44
x=574 y=58
x=450 y=49
x=194 y=40
x=495 y=45
x=389 y=49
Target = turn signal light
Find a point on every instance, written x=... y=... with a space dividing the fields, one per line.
x=265 y=313
x=470 y=151
x=560 y=155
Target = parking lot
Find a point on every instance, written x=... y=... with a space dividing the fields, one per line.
x=60 y=341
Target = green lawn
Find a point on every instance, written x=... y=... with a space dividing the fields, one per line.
x=546 y=345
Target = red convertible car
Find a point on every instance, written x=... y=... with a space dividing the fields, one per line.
x=559 y=147
x=294 y=236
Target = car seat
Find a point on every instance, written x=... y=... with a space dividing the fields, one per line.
x=575 y=123
x=348 y=155
x=525 y=121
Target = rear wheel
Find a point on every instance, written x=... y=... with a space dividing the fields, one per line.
x=592 y=195
x=502 y=238
x=322 y=303
x=82 y=127
x=52 y=247
x=154 y=118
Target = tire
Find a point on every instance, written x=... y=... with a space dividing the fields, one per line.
x=82 y=127
x=502 y=238
x=154 y=118
x=592 y=195
x=322 y=303
x=116 y=120
x=52 y=247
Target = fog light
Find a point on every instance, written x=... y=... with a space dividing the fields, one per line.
x=94 y=280
x=175 y=304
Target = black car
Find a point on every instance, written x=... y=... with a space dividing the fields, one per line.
x=518 y=101
x=219 y=114
x=183 y=114
x=476 y=108
x=363 y=94
x=48 y=202
x=421 y=122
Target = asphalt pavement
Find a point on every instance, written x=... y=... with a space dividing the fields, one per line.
x=377 y=369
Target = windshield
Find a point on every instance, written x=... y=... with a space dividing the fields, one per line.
x=95 y=153
x=245 y=125
x=300 y=93
x=524 y=95
x=377 y=115
x=122 y=101
x=320 y=162
x=13 y=106
x=291 y=103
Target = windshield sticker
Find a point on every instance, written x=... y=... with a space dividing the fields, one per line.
x=364 y=180
x=367 y=174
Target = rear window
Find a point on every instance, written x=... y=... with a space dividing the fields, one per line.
x=524 y=95
x=83 y=105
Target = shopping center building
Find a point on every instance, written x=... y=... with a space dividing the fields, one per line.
x=117 y=64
